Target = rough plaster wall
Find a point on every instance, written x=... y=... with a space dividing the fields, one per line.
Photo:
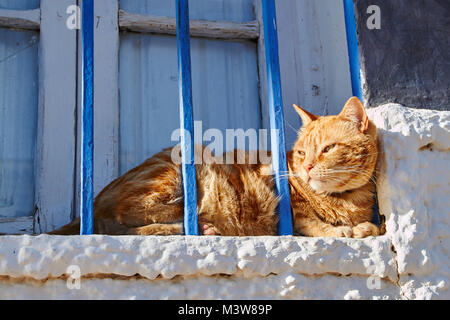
x=274 y=286
x=413 y=190
x=154 y=257
x=198 y=267
x=410 y=261
x=407 y=60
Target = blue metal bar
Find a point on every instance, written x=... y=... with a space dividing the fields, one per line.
x=352 y=45
x=278 y=144
x=186 y=119
x=87 y=121
x=355 y=67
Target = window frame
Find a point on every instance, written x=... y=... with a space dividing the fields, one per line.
x=54 y=165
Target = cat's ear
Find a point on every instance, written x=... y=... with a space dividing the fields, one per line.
x=305 y=115
x=354 y=111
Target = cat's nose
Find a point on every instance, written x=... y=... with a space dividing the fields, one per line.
x=308 y=167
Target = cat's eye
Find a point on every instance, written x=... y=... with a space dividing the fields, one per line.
x=301 y=153
x=328 y=148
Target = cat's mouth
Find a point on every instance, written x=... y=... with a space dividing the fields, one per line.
x=320 y=184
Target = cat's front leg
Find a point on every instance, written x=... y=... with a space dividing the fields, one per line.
x=365 y=229
x=208 y=229
x=317 y=228
x=339 y=232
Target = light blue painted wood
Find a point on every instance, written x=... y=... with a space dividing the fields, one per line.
x=19 y=4
x=87 y=122
x=278 y=144
x=224 y=84
x=18 y=121
x=18 y=115
x=314 y=62
x=224 y=81
x=186 y=119
x=225 y=10
x=106 y=95
x=56 y=144
x=353 y=52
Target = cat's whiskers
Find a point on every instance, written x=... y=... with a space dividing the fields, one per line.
x=288 y=175
x=364 y=174
x=290 y=126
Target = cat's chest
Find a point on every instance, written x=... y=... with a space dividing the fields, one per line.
x=329 y=209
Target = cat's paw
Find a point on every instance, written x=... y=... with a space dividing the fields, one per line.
x=365 y=229
x=341 y=231
x=208 y=230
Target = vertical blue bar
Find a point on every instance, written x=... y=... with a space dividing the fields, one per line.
x=87 y=121
x=186 y=119
x=276 y=117
x=352 y=45
x=355 y=67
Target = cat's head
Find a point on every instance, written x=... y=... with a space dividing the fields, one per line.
x=334 y=154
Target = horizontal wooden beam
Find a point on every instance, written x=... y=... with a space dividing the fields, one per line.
x=16 y=225
x=198 y=28
x=20 y=19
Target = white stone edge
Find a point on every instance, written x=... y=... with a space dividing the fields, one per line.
x=47 y=256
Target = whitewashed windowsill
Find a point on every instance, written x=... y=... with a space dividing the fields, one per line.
x=44 y=256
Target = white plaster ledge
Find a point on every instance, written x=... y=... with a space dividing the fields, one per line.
x=44 y=256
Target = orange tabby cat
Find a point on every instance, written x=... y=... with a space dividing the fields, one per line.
x=330 y=170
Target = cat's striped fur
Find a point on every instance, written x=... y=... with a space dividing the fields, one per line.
x=330 y=171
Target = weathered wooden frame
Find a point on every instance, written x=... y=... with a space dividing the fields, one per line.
x=20 y=19
x=198 y=28
x=56 y=127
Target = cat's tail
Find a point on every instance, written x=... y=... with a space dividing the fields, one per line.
x=72 y=228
